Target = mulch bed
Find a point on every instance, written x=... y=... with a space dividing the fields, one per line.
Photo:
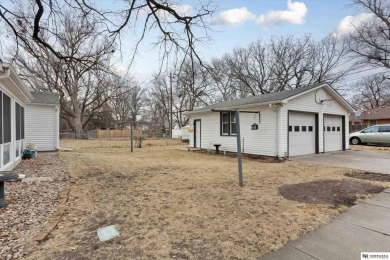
x=332 y=192
x=253 y=157
x=30 y=205
x=370 y=176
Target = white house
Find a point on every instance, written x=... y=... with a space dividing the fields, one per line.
x=305 y=120
x=42 y=121
x=13 y=99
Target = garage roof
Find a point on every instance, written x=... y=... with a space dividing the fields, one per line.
x=268 y=98
x=49 y=98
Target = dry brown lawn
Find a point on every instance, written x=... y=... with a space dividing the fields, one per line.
x=168 y=203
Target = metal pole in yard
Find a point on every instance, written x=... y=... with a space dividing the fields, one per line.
x=239 y=155
x=171 y=101
x=131 y=136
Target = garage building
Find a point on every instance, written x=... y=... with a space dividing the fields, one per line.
x=307 y=120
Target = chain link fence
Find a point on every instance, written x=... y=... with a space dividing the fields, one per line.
x=93 y=140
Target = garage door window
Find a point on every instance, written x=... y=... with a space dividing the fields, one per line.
x=290 y=128
x=338 y=129
x=310 y=128
x=303 y=128
x=296 y=128
x=328 y=128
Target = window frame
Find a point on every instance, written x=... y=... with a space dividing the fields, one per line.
x=229 y=123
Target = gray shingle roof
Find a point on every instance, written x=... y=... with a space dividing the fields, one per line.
x=45 y=98
x=264 y=98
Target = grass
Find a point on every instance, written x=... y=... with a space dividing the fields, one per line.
x=168 y=203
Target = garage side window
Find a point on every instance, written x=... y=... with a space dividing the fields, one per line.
x=228 y=123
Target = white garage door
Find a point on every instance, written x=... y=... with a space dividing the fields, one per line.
x=301 y=129
x=333 y=133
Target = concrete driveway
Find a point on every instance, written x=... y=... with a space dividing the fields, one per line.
x=360 y=160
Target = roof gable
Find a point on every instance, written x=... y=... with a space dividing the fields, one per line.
x=48 y=98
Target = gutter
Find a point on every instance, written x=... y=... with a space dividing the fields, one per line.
x=7 y=68
x=236 y=107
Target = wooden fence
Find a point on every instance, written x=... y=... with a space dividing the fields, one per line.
x=117 y=133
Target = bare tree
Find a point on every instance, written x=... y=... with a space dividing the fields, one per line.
x=33 y=22
x=282 y=63
x=128 y=102
x=82 y=80
x=369 y=42
x=372 y=91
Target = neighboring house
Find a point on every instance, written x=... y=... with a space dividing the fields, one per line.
x=305 y=120
x=13 y=99
x=42 y=121
x=375 y=116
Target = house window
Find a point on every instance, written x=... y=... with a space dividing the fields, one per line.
x=233 y=123
x=228 y=123
x=372 y=122
x=19 y=122
x=6 y=119
x=22 y=121
x=1 y=117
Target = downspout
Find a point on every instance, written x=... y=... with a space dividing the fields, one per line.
x=274 y=108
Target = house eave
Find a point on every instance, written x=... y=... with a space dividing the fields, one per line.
x=8 y=73
x=238 y=107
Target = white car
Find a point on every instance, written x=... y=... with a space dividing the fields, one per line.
x=372 y=134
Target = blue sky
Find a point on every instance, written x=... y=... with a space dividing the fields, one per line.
x=237 y=23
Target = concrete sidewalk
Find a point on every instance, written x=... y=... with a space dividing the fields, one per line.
x=363 y=228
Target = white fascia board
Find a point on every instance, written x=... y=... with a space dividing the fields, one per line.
x=237 y=107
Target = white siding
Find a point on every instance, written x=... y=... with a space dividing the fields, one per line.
x=42 y=126
x=307 y=103
x=261 y=141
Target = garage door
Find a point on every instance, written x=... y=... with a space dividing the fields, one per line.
x=333 y=133
x=301 y=129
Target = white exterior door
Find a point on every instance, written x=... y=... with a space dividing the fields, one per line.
x=197 y=133
x=301 y=130
x=333 y=133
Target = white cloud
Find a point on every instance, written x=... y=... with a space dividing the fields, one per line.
x=234 y=17
x=349 y=23
x=295 y=14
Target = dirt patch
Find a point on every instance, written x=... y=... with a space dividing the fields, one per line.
x=372 y=148
x=370 y=176
x=332 y=192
